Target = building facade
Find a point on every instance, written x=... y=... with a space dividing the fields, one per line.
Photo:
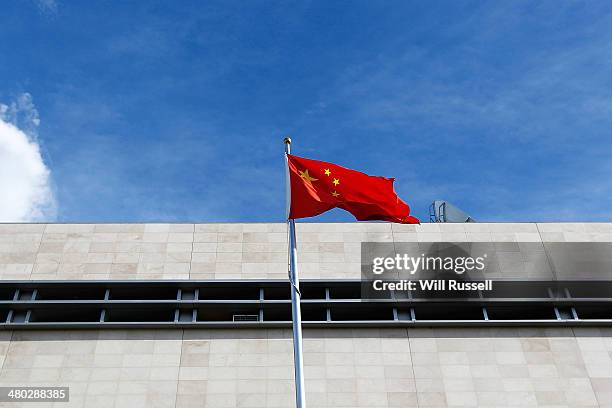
x=164 y=346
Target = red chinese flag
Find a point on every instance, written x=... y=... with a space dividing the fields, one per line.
x=318 y=186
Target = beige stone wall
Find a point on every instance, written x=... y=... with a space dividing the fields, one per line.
x=491 y=367
x=235 y=251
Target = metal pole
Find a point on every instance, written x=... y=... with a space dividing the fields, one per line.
x=300 y=394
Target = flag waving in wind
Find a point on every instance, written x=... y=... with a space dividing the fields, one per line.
x=318 y=186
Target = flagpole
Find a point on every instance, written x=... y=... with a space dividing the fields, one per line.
x=294 y=280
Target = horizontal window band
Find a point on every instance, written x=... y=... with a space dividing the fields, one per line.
x=265 y=304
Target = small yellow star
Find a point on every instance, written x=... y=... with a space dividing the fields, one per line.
x=336 y=194
x=336 y=182
x=304 y=174
x=327 y=172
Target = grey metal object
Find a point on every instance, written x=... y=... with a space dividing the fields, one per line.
x=294 y=280
x=443 y=211
x=245 y=318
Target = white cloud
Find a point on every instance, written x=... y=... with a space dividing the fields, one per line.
x=47 y=6
x=25 y=180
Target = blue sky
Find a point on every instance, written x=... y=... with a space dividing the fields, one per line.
x=175 y=111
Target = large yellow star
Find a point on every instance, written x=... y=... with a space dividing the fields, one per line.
x=327 y=172
x=304 y=174
x=336 y=182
